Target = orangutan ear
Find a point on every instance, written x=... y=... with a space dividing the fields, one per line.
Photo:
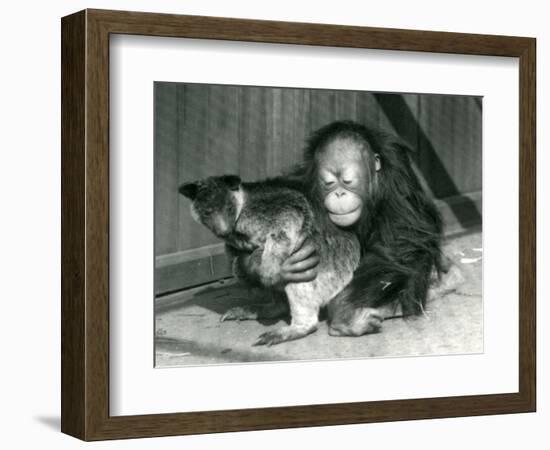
x=377 y=162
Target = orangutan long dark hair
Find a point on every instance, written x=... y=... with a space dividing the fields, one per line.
x=399 y=229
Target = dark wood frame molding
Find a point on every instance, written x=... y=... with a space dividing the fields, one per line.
x=85 y=224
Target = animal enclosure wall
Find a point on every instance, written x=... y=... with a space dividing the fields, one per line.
x=257 y=132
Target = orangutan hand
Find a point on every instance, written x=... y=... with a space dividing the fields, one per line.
x=302 y=265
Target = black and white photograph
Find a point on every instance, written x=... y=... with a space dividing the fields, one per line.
x=312 y=224
x=253 y=225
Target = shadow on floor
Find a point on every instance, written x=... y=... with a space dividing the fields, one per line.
x=171 y=347
x=52 y=422
x=189 y=331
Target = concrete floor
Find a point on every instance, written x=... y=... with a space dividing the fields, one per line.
x=189 y=331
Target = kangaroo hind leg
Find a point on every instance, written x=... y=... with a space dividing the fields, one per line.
x=304 y=311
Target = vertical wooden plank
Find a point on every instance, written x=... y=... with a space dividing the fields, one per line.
x=166 y=168
x=323 y=108
x=289 y=123
x=330 y=105
x=367 y=109
x=195 y=158
x=208 y=145
x=294 y=128
x=451 y=126
x=470 y=134
x=222 y=152
x=253 y=123
x=435 y=142
x=345 y=105
x=192 y=130
x=397 y=115
x=274 y=164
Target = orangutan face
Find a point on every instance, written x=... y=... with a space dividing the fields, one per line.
x=345 y=173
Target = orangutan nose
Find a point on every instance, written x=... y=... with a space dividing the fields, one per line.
x=340 y=193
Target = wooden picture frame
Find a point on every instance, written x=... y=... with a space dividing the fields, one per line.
x=85 y=224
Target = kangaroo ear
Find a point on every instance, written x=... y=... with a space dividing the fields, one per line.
x=232 y=181
x=189 y=190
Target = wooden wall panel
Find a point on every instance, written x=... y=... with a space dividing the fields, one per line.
x=294 y=126
x=274 y=131
x=166 y=168
x=451 y=127
x=368 y=110
x=345 y=105
x=322 y=108
x=253 y=124
x=196 y=157
x=204 y=130
x=222 y=151
x=397 y=114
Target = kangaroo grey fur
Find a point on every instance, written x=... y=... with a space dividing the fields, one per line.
x=266 y=219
